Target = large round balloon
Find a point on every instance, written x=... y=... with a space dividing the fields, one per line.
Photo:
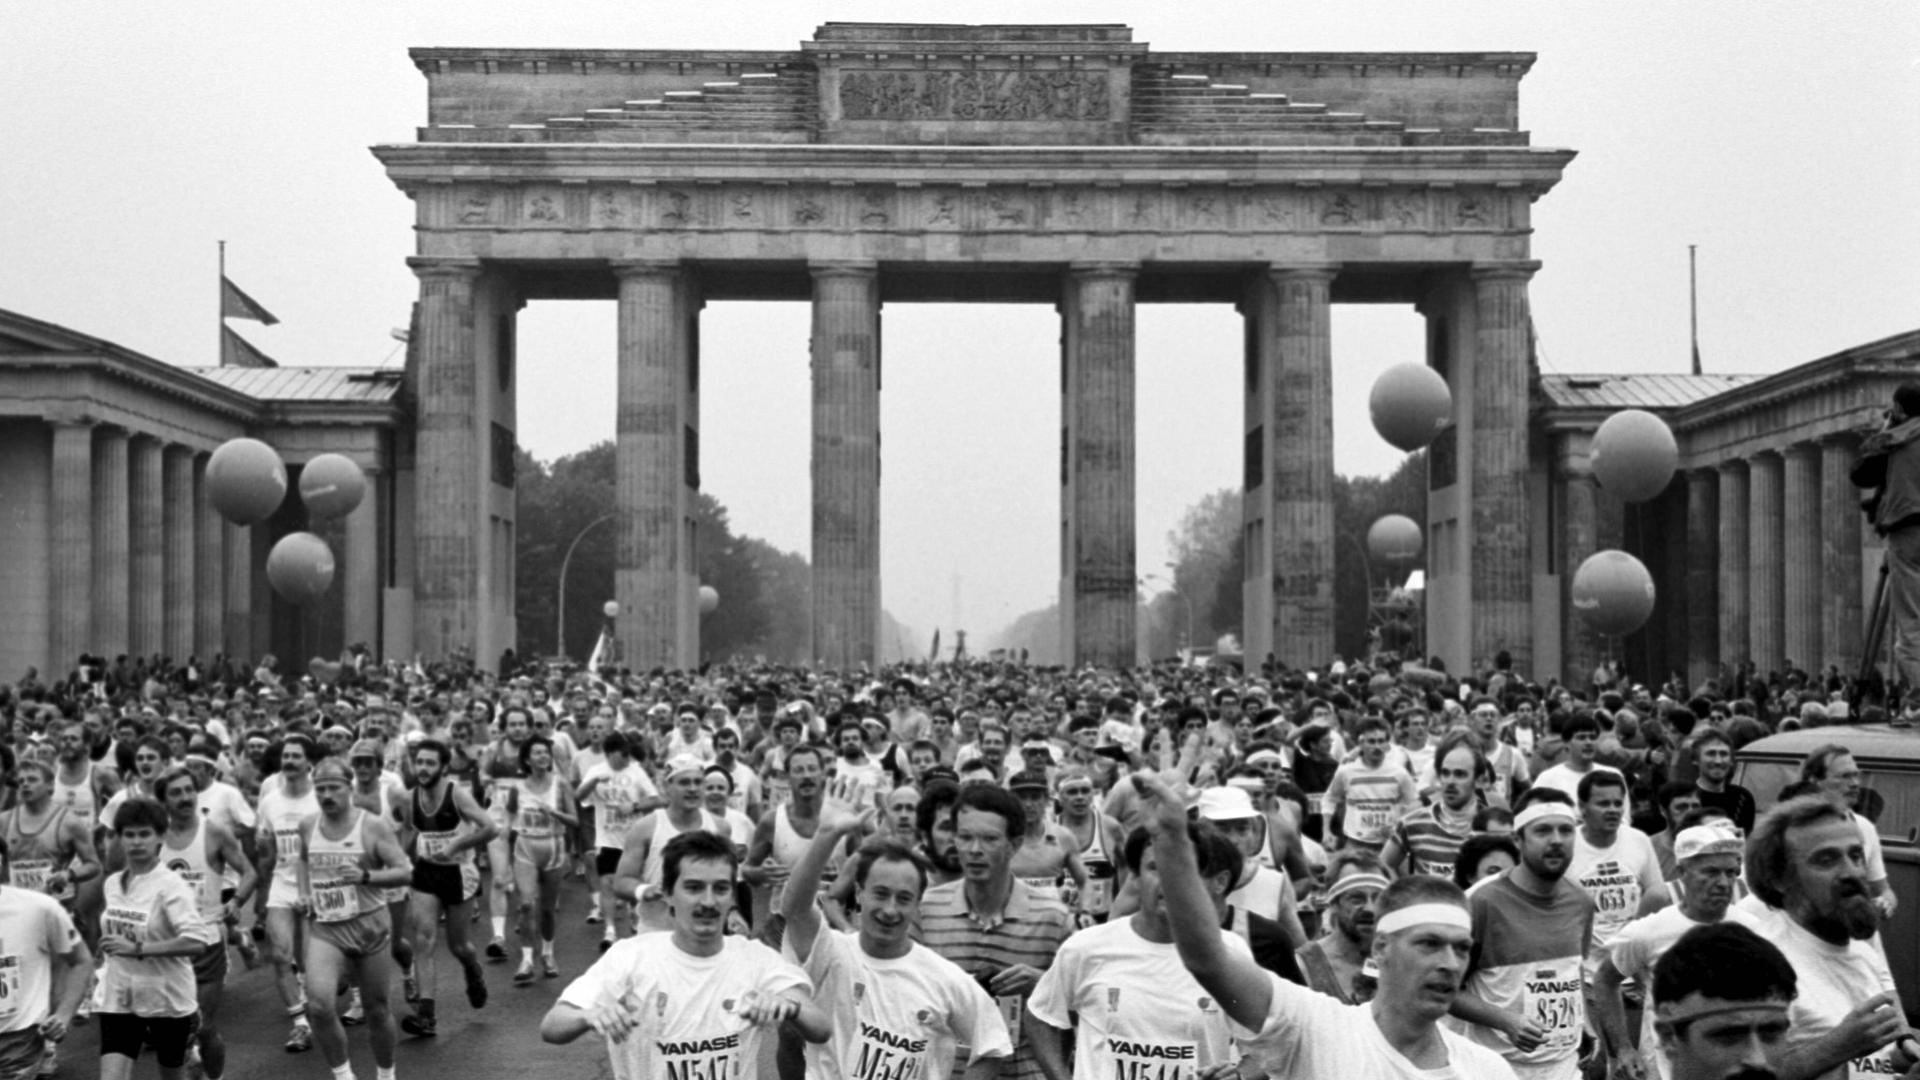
x=709 y=599
x=1613 y=592
x=1410 y=403
x=1394 y=538
x=300 y=567
x=246 y=481
x=1634 y=455
x=332 y=485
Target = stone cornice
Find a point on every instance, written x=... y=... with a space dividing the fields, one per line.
x=144 y=373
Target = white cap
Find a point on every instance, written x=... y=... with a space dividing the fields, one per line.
x=1226 y=804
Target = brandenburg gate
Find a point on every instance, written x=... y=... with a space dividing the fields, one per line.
x=1067 y=165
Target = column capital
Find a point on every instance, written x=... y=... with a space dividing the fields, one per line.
x=1731 y=466
x=1843 y=440
x=1518 y=270
x=1303 y=271
x=1765 y=457
x=1108 y=269
x=863 y=268
x=626 y=268
x=1805 y=449
x=443 y=268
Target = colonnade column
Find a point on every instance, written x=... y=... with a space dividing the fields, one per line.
x=236 y=626
x=1502 y=597
x=1734 y=610
x=1766 y=639
x=651 y=482
x=845 y=356
x=177 y=551
x=1581 y=646
x=111 y=521
x=209 y=571
x=1703 y=575
x=71 y=625
x=1097 y=602
x=1802 y=576
x=360 y=571
x=1841 y=583
x=1300 y=469
x=450 y=461
x=146 y=563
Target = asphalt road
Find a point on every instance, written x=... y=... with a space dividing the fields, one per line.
x=501 y=1040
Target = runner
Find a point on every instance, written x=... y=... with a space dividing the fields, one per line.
x=1613 y=864
x=82 y=788
x=43 y=968
x=1339 y=963
x=206 y=856
x=539 y=847
x=1427 y=841
x=383 y=795
x=782 y=836
x=1368 y=797
x=1721 y=999
x=49 y=848
x=444 y=826
x=898 y=1009
x=283 y=807
x=1047 y=854
x=1097 y=837
x=693 y=1002
x=638 y=879
x=348 y=857
x=618 y=790
x=149 y=932
x=500 y=768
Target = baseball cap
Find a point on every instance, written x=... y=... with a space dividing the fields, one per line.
x=1709 y=838
x=680 y=763
x=1225 y=804
x=1029 y=780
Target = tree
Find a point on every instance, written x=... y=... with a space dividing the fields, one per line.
x=1207 y=557
x=1358 y=502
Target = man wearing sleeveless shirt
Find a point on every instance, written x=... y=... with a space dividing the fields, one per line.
x=82 y=788
x=50 y=849
x=445 y=826
x=203 y=852
x=283 y=807
x=348 y=858
x=638 y=878
x=781 y=839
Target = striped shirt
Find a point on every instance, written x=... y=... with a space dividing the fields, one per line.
x=1430 y=846
x=1030 y=930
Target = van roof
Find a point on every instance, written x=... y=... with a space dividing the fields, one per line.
x=1877 y=742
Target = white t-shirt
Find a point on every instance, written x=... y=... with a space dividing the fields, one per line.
x=1636 y=948
x=901 y=1017
x=1616 y=877
x=688 y=1006
x=1140 y=1013
x=1307 y=1033
x=1832 y=979
x=34 y=929
x=1375 y=800
x=223 y=805
x=1563 y=778
x=614 y=801
x=159 y=905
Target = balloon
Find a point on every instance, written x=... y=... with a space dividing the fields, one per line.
x=611 y=609
x=325 y=672
x=1394 y=538
x=332 y=485
x=245 y=481
x=709 y=599
x=1634 y=455
x=1410 y=403
x=1613 y=592
x=300 y=567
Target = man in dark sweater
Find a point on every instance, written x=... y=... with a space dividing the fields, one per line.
x=1713 y=755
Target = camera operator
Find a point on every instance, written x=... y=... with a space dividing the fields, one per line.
x=1889 y=464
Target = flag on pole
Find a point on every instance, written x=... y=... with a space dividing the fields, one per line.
x=235 y=304
x=236 y=351
x=599 y=653
x=934 y=653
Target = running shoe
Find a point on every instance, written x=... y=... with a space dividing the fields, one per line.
x=497 y=949
x=300 y=1040
x=524 y=976
x=593 y=916
x=249 y=950
x=548 y=968
x=355 y=1013
x=422 y=1025
x=476 y=988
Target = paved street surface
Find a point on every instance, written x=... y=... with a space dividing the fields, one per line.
x=501 y=1040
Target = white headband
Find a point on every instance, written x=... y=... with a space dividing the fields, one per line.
x=1418 y=914
x=1362 y=880
x=1542 y=811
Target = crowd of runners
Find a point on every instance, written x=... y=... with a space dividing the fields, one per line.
x=978 y=868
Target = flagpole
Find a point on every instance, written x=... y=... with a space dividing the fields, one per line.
x=1693 y=306
x=220 y=301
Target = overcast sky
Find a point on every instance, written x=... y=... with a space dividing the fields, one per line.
x=1781 y=137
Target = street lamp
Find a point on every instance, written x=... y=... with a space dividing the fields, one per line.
x=560 y=630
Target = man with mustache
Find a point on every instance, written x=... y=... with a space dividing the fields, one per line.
x=1421 y=944
x=782 y=837
x=1614 y=862
x=1524 y=995
x=1806 y=865
x=1335 y=963
x=1719 y=1004
x=1708 y=859
x=898 y=1008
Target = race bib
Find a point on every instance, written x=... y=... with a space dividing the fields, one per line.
x=1369 y=822
x=617 y=820
x=1320 y=803
x=1012 y=1008
x=1876 y=1064
x=535 y=819
x=333 y=901
x=1553 y=1000
x=32 y=874
x=122 y=921
x=432 y=845
x=286 y=842
x=1170 y=1059
x=1099 y=895
x=10 y=1002
x=883 y=1054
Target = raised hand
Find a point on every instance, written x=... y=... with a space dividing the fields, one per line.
x=1163 y=809
x=846 y=806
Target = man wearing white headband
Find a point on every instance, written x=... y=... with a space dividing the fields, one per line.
x=1421 y=944
x=1524 y=995
x=1708 y=856
x=1720 y=1004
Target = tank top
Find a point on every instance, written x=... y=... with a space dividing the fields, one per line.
x=32 y=857
x=434 y=831
x=335 y=900
x=788 y=846
x=1101 y=871
x=533 y=815
x=1041 y=862
x=663 y=831
x=281 y=815
x=80 y=800
x=502 y=775
x=194 y=868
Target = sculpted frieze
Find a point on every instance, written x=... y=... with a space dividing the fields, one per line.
x=974 y=95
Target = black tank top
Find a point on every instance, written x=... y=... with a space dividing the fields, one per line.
x=445 y=819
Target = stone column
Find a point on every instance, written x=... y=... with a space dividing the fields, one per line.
x=110 y=543
x=209 y=569
x=236 y=632
x=1766 y=638
x=1098 y=410
x=1842 y=612
x=1582 y=647
x=845 y=350
x=1301 y=466
x=1703 y=575
x=70 y=627
x=650 y=466
x=360 y=571
x=450 y=460
x=177 y=551
x=146 y=565
x=1801 y=572
x=1502 y=597
x=1734 y=612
